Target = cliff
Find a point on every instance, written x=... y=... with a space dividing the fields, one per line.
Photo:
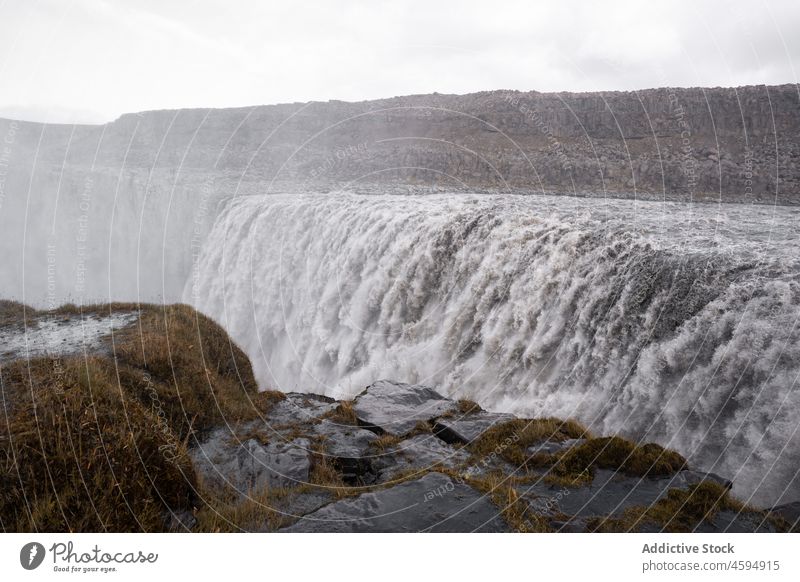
x=136 y=417
x=730 y=144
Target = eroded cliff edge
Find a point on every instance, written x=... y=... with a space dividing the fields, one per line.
x=133 y=417
x=729 y=144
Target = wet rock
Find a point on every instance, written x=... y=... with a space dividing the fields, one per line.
x=433 y=503
x=249 y=466
x=728 y=521
x=467 y=428
x=395 y=408
x=419 y=452
x=609 y=494
x=349 y=449
x=298 y=409
x=552 y=447
x=789 y=512
x=295 y=505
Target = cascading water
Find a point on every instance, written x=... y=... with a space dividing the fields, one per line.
x=662 y=322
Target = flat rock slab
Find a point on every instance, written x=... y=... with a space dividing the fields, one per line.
x=433 y=503
x=609 y=494
x=250 y=466
x=467 y=428
x=420 y=452
x=298 y=409
x=394 y=408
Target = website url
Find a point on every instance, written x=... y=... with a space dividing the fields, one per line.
x=728 y=566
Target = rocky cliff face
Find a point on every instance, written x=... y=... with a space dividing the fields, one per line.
x=147 y=187
x=731 y=144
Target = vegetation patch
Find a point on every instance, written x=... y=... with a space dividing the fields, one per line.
x=616 y=453
x=468 y=406
x=511 y=440
x=682 y=511
x=78 y=455
x=14 y=313
x=100 y=443
x=343 y=414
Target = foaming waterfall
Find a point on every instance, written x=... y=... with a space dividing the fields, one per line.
x=523 y=309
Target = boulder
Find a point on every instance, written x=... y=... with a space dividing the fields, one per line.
x=395 y=408
x=433 y=503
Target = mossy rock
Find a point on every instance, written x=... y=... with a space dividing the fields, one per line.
x=616 y=453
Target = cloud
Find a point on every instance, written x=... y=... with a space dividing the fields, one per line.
x=95 y=59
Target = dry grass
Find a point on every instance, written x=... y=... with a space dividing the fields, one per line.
x=510 y=440
x=256 y=512
x=468 y=406
x=100 y=443
x=200 y=376
x=682 y=511
x=386 y=441
x=79 y=456
x=616 y=453
x=13 y=313
x=343 y=414
x=499 y=488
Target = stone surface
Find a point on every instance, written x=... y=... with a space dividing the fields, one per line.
x=609 y=494
x=298 y=408
x=552 y=447
x=250 y=466
x=424 y=451
x=395 y=408
x=467 y=428
x=433 y=503
x=788 y=511
x=736 y=522
x=349 y=449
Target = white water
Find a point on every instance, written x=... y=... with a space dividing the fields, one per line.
x=664 y=322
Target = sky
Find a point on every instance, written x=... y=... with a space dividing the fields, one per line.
x=89 y=61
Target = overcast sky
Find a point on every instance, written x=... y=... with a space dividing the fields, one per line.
x=92 y=60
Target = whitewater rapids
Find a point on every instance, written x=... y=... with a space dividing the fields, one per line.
x=662 y=322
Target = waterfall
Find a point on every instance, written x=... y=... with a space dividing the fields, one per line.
x=632 y=323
